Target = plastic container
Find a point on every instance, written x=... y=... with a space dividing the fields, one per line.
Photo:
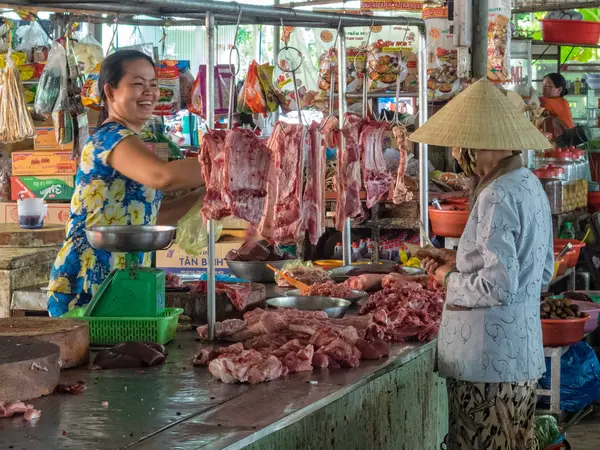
x=450 y=221
x=114 y=330
x=571 y=31
x=31 y=212
x=561 y=332
x=573 y=256
x=550 y=177
x=560 y=266
x=591 y=309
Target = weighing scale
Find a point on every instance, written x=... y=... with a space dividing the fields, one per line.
x=133 y=291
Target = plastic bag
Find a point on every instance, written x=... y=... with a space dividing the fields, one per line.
x=546 y=431
x=89 y=52
x=169 y=99
x=252 y=99
x=53 y=79
x=192 y=234
x=579 y=377
x=34 y=42
x=197 y=103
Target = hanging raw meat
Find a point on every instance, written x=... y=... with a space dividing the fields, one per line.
x=247 y=163
x=212 y=160
x=281 y=221
x=401 y=192
x=314 y=192
x=377 y=179
x=348 y=203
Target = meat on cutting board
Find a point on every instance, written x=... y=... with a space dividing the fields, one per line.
x=282 y=212
x=401 y=192
x=376 y=177
x=247 y=163
x=314 y=192
x=212 y=161
x=349 y=182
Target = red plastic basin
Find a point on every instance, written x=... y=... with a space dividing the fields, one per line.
x=449 y=221
x=561 y=332
x=572 y=256
x=570 y=31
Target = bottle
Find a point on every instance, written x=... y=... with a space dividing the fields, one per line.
x=567 y=231
x=338 y=251
x=355 y=252
x=369 y=251
x=362 y=247
x=577 y=87
x=584 y=85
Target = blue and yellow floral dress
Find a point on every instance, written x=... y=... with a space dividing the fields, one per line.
x=102 y=197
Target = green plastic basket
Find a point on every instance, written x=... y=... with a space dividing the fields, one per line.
x=114 y=330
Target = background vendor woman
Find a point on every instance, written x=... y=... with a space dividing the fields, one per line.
x=554 y=90
x=119 y=181
x=490 y=339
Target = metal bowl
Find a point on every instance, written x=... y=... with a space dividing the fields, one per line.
x=131 y=238
x=339 y=275
x=255 y=271
x=356 y=295
x=333 y=307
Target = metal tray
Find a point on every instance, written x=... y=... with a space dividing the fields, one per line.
x=333 y=307
x=356 y=295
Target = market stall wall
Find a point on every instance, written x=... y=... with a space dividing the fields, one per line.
x=175 y=260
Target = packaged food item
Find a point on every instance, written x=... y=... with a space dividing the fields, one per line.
x=498 y=65
x=29 y=162
x=265 y=78
x=53 y=187
x=442 y=60
x=197 y=104
x=252 y=98
x=186 y=79
x=90 y=92
x=169 y=99
x=53 y=79
x=89 y=52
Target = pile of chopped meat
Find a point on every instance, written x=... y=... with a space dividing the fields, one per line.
x=238 y=293
x=172 y=280
x=330 y=289
x=280 y=342
x=9 y=409
x=306 y=274
x=404 y=311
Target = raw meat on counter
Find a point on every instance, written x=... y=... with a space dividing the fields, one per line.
x=330 y=289
x=375 y=281
x=401 y=193
x=9 y=409
x=376 y=177
x=238 y=293
x=172 y=280
x=404 y=311
x=282 y=212
x=314 y=191
x=348 y=203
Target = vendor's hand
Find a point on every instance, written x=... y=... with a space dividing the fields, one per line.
x=440 y=273
x=443 y=255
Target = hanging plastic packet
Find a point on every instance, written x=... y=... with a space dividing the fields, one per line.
x=265 y=77
x=90 y=92
x=192 y=234
x=89 y=52
x=51 y=81
x=220 y=95
x=147 y=48
x=169 y=99
x=186 y=79
x=252 y=99
x=34 y=42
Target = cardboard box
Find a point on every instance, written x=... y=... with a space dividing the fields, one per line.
x=54 y=187
x=45 y=139
x=175 y=260
x=159 y=149
x=31 y=162
x=58 y=213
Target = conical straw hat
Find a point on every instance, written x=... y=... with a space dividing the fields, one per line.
x=481 y=118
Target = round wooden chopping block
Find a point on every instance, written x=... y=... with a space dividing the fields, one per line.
x=71 y=336
x=12 y=235
x=28 y=368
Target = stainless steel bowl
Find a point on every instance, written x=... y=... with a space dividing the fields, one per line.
x=340 y=274
x=333 y=307
x=131 y=238
x=255 y=271
x=356 y=295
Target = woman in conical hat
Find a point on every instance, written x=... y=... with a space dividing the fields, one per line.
x=490 y=339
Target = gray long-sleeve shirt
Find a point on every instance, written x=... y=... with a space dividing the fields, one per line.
x=504 y=257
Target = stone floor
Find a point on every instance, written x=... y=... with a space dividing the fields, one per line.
x=585 y=435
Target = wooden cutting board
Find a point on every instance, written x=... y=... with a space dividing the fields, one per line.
x=28 y=368
x=12 y=235
x=194 y=305
x=70 y=335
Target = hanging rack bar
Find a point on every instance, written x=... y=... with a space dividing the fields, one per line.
x=423 y=148
x=210 y=122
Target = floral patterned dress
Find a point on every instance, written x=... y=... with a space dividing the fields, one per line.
x=102 y=197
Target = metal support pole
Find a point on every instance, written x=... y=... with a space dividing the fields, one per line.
x=342 y=84
x=480 y=37
x=210 y=122
x=276 y=48
x=423 y=148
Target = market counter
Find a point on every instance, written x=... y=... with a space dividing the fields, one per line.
x=398 y=402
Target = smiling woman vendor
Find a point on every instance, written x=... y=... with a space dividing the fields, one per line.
x=119 y=181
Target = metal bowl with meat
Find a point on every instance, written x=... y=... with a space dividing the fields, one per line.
x=331 y=290
x=341 y=274
x=255 y=271
x=333 y=307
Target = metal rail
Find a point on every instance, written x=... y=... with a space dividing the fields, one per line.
x=221 y=13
